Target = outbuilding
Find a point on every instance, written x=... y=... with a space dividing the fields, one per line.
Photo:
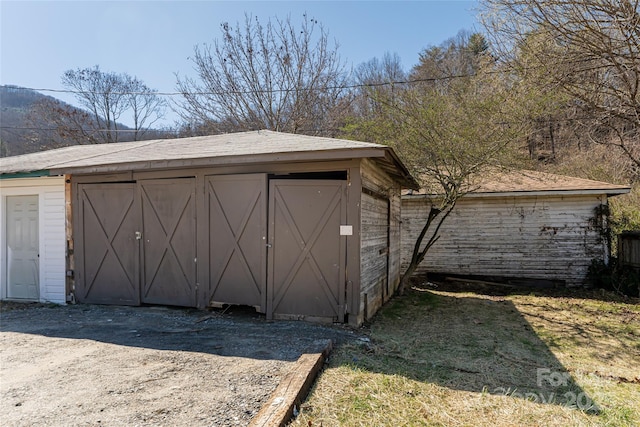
x=32 y=236
x=521 y=227
x=296 y=226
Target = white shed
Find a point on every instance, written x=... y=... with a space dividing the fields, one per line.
x=520 y=226
x=32 y=238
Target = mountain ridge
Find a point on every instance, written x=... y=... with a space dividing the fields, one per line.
x=24 y=127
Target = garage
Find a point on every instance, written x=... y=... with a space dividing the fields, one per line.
x=283 y=223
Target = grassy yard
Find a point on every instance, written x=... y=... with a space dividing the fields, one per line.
x=444 y=358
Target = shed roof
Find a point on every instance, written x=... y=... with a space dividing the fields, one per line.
x=226 y=149
x=527 y=183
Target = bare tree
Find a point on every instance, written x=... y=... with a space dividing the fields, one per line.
x=110 y=97
x=101 y=93
x=379 y=76
x=591 y=53
x=275 y=76
x=145 y=106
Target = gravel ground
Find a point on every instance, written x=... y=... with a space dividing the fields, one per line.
x=81 y=365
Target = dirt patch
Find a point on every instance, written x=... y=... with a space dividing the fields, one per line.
x=104 y=365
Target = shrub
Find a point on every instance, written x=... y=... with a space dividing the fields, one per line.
x=615 y=277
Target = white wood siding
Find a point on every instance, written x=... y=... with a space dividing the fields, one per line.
x=51 y=211
x=542 y=237
x=376 y=286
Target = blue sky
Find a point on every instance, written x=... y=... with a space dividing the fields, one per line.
x=154 y=39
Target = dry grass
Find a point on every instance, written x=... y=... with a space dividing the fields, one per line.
x=465 y=358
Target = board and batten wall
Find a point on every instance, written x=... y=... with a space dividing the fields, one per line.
x=524 y=237
x=51 y=232
x=379 y=238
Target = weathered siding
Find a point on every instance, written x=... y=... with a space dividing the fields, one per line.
x=373 y=249
x=51 y=229
x=541 y=237
x=380 y=225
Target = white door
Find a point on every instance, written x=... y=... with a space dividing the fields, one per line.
x=22 y=247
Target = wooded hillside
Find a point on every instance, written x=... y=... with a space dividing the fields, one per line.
x=31 y=121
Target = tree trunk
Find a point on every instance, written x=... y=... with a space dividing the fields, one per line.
x=553 y=141
x=418 y=256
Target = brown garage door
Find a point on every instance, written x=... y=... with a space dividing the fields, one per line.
x=237 y=239
x=169 y=236
x=303 y=274
x=306 y=263
x=106 y=249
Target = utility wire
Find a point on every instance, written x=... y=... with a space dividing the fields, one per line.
x=175 y=132
x=336 y=87
x=150 y=130
x=264 y=91
x=245 y=92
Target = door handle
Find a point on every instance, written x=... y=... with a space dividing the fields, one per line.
x=268 y=245
x=138 y=235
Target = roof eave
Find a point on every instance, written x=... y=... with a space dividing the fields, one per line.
x=25 y=174
x=405 y=177
x=585 y=192
x=233 y=160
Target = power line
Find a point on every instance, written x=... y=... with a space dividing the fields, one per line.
x=335 y=87
x=263 y=91
x=155 y=131
x=89 y=130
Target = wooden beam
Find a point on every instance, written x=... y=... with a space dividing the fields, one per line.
x=69 y=258
x=292 y=390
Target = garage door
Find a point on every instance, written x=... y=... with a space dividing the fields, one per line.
x=169 y=241
x=106 y=250
x=237 y=239
x=115 y=222
x=306 y=262
x=137 y=243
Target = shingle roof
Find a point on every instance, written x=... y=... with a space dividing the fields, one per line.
x=233 y=148
x=45 y=160
x=525 y=182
